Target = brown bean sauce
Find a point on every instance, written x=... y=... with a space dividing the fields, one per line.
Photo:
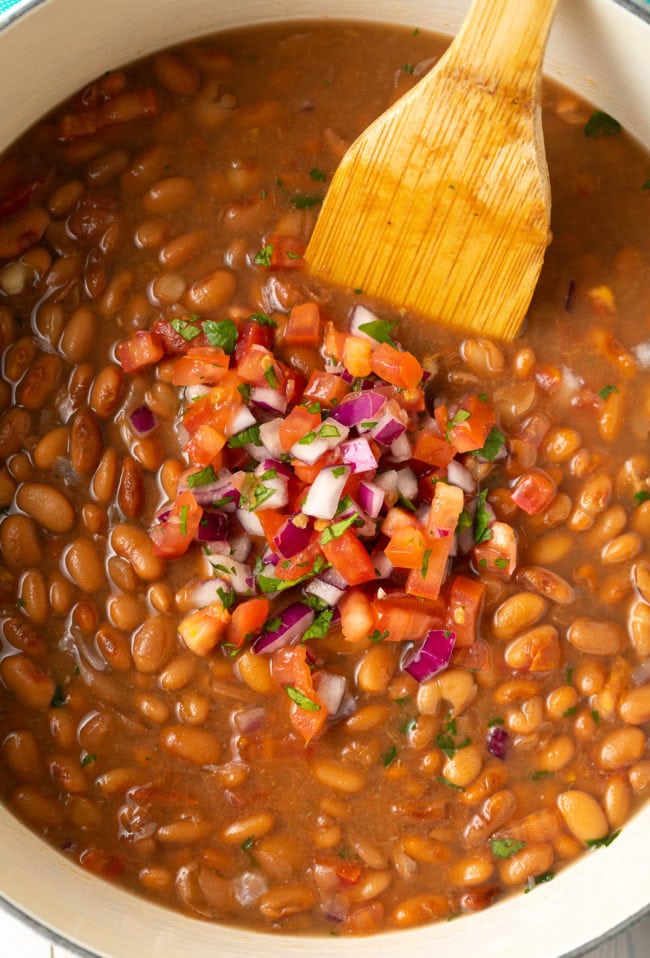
x=149 y=197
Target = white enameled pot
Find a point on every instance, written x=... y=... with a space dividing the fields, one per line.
x=48 y=49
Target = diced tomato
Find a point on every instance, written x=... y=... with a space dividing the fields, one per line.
x=307 y=474
x=204 y=628
x=405 y=620
x=356 y=356
x=427 y=484
x=347 y=872
x=142 y=349
x=205 y=365
x=325 y=388
x=254 y=366
x=173 y=343
x=271 y=522
x=426 y=581
x=216 y=408
x=406 y=548
x=498 y=554
x=358 y=617
x=299 y=564
x=173 y=537
x=445 y=509
x=433 y=449
x=247 y=620
x=288 y=252
x=304 y=326
x=465 y=602
x=349 y=558
x=470 y=433
x=205 y=445
x=334 y=342
x=101 y=863
x=396 y=367
x=397 y=518
x=298 y=423
x=475 y=658
x=290 y=668
x=534 y=492
x=252 y=334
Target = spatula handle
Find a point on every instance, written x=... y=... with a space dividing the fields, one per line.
x=502 y=42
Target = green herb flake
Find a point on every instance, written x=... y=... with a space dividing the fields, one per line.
x=201 y=478
x=602 y=124
x=222 y=333
x=482 y=519
x=540 y=773
x=389 y=757
x=183 y=519
x=269 y=474
x=369 y=424
x=336 y=530
x=535 y=880
x=305 y=201
x=224 y=501
x=379 y=330
x=20 y=603
x=497 y=720
x=338 y=471
x=408 y=68
x=645 y=185
x=603 y=842
x=405 y=503
x=59 y=698
x=607 y=391
x=416 y=31
x=409 y=726
x=403 y=700
x=503 y=848
x=185 y=329
x=244 y=390
x=320 y=626
x=501 y=562
x=262 y=320
x=263 y=258
x=569 y=712
x=595 y=714
x=317 y=175
x=271 y=377
x=425 y=563
x=247 y=844
x=357 y=292
x=377 y=636
x=307 y=439
x=301 y=700
x=315 y=603
x=250 y=435
x=493 y=445
x=461 y=415
x=327 y=431
x=88 y=759
x=569 y=675
x=445 y=781
x=641 y=496
x=464 y=521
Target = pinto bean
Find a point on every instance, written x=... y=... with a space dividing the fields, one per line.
x=86 y=443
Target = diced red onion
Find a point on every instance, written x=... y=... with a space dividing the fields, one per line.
x=309 y=452
x=294 y=535
x=388 y=429
x=407 y=484
x=270 y=436
x=213 y=526
x=221 y=488
x=249 y=522
x=497 y=741
x=267 y=399
x=250 y=720
x=330 y=689
x=294 y=622
x=249 y=887
x=335 y=907
x=281 y=468
x=371 y=498
x=241 y=419
x=364 y=526
x=400 y=449
x=206 y=592
x=325 y=591
x=143 y=420
x=334 y=578
x=358 y=455
x=432 y=656
x=163 y=516
x=459 y=476
x=359 y=408
x=325 y=493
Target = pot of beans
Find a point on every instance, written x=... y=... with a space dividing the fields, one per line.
x=318 y=621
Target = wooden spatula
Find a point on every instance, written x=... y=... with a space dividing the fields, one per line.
x=443 y=204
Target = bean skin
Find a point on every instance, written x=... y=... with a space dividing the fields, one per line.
x=193 y=745
x=130 y=492
x=86 y=443
x=47 y=505
x=20 y=542
x=28 y=683
x=84 y=565
x=133 y=543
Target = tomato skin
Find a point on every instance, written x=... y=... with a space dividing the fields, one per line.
x=288 y=253
x=252 y=334
x=290 y=667
x=304 y=326
x=299 y=564
x=247 y=621
x=297 y=424
x=358 y=616
x=406 y=620
x=349 y=558
x=464 y=610
x=205 y=365
x=433 y=449
x=216 y=408
x=471 y=433
x=533 y=492
x=406 y=548
x=142 y=349
x=396 y=367
x=205 y=445
x=174 y=537
x=325 y=388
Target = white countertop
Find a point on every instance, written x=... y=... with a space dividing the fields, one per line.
x=19 y=941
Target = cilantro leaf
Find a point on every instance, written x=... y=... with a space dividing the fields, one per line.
x=493 y=445
x=603 y=842
x=222 y=333
x=201 y=478
x=262 y=320
x=252 y=434
x=607 y=391
x=320 y=626
x=602 y=124
x=301 y=700
x=305 y=201
x=187 y=330
x=482 y=520
x=183 y=519
x=263 y=258
x=59 y=698
x=317 y=175
x=389 y=757
x=505 y=847
x=380 y=330
x=642 y=496
x=336 y=530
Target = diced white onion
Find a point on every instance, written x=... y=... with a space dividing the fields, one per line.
x=309 y=452
x=270 y=436
x=325 y=493
x=249 y=522
x=407 y=484
x=242 y=419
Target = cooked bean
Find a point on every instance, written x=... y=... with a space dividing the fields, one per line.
x=86 y=443
x=617 y=800
x=640 y=777
x=28 y=683
x=517 y=613
x=22 y=231
x=67 y=776
x=183 y=248
x=211 y=292
x=531 y=861
x=153 y=644
x=285 y=900
x=193 y=708
x=621 y=747
x=495 y=811
x=337 y=775
x=15 y=424
x=556 y=754
x=176 y=75
x=106 y=391
x=253 y=826
x=594 y=637
x=255 y=671
x=582 y=815
x=104 y=481
x=47 y=505
x=39 y=382
x=113 y=647
x=418 y=909
x=20 y=752
x=130 y=491
x=634 y=705
x=470 y=871
x=560 y=701
x=194 y=745
x=463 y=766
x=20 y=542
x=84 y=565
x=621 y=549
x=37 y=808
x=132 y=543
x=376 y=669
x=537 y=650
x=79 y=334
x=169 y=195
x=33 y=594
x=547 y=583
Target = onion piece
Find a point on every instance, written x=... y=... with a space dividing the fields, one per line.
x=213 y=526
x=390 y=426
x=241 y=419
x=294 y=535
x=210 y=590
x=250 y=523
x=330 y=688
x=292 y=623
x=432 y=656
x=360 y=316
x=267 y=399
x=220 y=489
x=382 y=564
x=249 y=887
x=371 y=498
x=270 y=436
x=238 y=574
x=358 y=455
x=328 y=593
x=309 y=452
x=325 y=492
x=400 y=449
x=388 y=482
x=249 y=720
x=407 y=484
x=143 y=420
x=361 y=407
x=459 y=475
x=497 y=741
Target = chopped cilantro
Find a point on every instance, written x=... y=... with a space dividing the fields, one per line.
x=222 y=333
x=88 y=759
x=315 y=603
x=380 y=330
x=535 y=880
x=445 y=781
x=416 y=31
x=501 y=562
x=601 y=124
x=20 y=603
x=464 y=521
x=252 y=434
x=497 y=720
x=540 y=773
x=262 y=320
x=409 y=726
x=183 y=519
x=568 y=712
x=493 y=445
x=408 y=68
x=247 y=844
x=269 y=474
x=569 y=675
x=607 y=391
x=327 y=431
x=263 y=258
x=227 y=598
x=338 y=471
x=389 y=757
x=273 y=624
x=271 y=377
x=425 y=563
x=201 y=478
x=595 y=714
x=505 y=847
x=244 y=390
x=603 y=842
x=317 y=175
x=58 y=699
x=357 y=292
x=320 y=626
x=642 y=496
x=377 y=636
x=447 y=745
x=403 y=700
x=185 y=329
x=369 y=424
x=226 y=500
x=405 y=503
x=461 y=415
x=645 y=185
x=305 y=201
x=259 y=495
x=307 y=439
x=482 y=519
x=301 y=699
x=291 y=255
x=336 y=530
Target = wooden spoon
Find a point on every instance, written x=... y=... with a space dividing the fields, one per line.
x=443 y=204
